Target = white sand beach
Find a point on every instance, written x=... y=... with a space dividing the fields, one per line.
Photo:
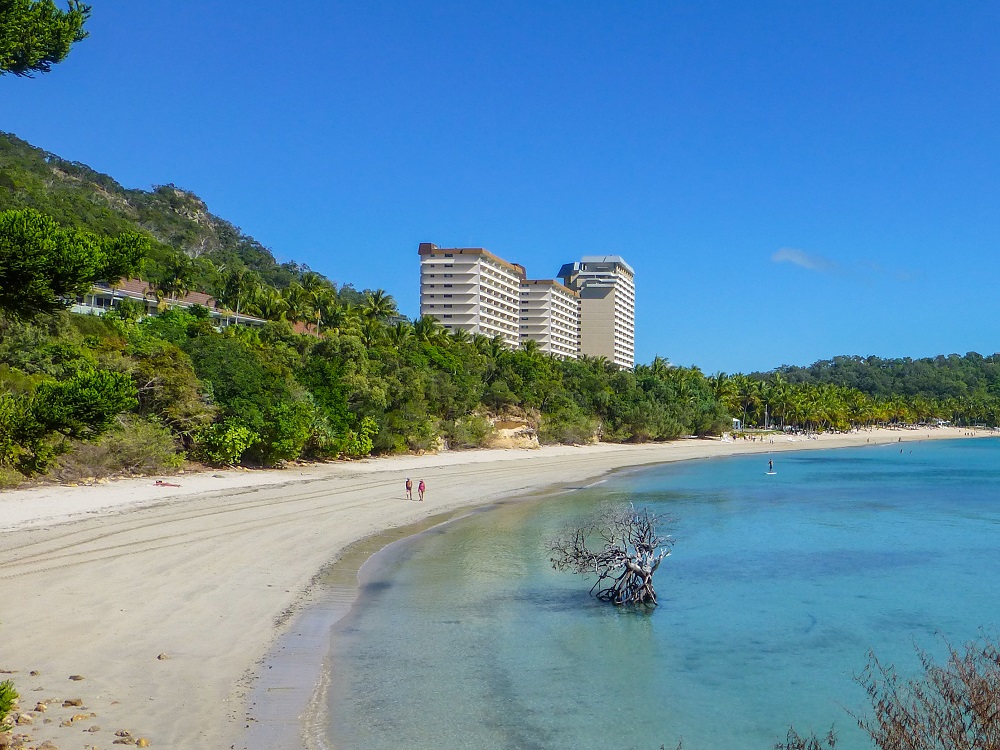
x=99 y=581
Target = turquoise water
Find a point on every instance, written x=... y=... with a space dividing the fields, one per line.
x=778 y=586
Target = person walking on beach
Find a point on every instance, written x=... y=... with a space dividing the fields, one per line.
x=409 y=489
x=420 y=490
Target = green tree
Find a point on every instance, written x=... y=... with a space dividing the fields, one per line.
x=240 y=286
x=35 y=34
x=42 y=264
x=177 y=279
x=82 y=407
x=378 y=305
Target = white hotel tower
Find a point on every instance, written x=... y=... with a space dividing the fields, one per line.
x=592 y=312
x=470 y=289
x=606 y=285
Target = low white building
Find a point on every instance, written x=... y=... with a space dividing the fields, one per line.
x=103 y=297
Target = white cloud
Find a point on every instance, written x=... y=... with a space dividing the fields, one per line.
x=804 y=260
x=866 y=272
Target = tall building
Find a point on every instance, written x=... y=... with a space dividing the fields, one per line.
x=606 y=285
x=471 y=289
x=550 y=316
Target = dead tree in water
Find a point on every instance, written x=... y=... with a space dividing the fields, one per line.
x=631 y=552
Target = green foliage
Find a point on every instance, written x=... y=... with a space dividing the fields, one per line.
x=35 y=34
x=473 y=431
x=127 y=309
x=569 y=425
x=168 y=387
x=8 y=698
x=962 y=389
x=41 y=263
x=358 y=444
x=82 y=407
x=85 y=405
x=284 y=432
x=223 y=443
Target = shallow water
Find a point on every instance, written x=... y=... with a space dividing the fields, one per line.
x=778 y=585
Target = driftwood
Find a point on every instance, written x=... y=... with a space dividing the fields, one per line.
x=631 y=550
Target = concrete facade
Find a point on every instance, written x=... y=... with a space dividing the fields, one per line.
x=472 y=290
x=592 y=312
x=550 y=316
x=606 y=285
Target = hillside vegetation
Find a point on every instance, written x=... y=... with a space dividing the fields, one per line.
x=84 y=396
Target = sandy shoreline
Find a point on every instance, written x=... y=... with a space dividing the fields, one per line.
x=98 y=581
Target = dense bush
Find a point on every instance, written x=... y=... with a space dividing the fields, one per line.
x=224 y=443
x=473 y=431
x=569 y=425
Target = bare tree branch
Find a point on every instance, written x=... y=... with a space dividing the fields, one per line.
x=631 y=551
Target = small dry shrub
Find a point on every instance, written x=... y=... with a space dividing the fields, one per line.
x=135 y=446
x=9 y=478
x=953 y=706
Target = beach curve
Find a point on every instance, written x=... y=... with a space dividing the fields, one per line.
x=168 y=600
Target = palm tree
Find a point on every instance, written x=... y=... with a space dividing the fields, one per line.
x=372 y=332
x=270 y=304
x=177 y=279
x=460 y=336
x=399 y=334
x=340 y=317
x=240 y=285
x=325 y=307
x=299 y=303
x=659 y=366
x=379 y=305
x=312 y=282
x=428 y=329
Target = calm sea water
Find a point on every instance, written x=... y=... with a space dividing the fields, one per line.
x=465 y=637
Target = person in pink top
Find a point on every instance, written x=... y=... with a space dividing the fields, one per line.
x=420 y=490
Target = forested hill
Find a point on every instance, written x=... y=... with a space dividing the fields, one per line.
x=178 y=221
x=941 y=377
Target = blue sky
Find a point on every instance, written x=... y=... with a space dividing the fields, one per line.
x=790 y=180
